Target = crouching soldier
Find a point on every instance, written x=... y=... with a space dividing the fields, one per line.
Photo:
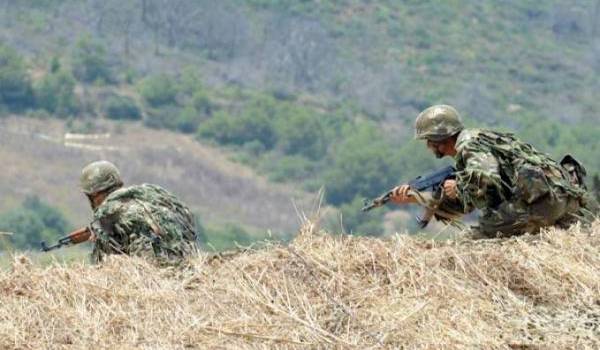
x=516 y=188
x=142 y=220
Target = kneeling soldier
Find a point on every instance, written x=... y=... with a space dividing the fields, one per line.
x=142 y=220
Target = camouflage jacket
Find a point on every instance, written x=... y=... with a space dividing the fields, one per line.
x=494 y=167
x=143 y=220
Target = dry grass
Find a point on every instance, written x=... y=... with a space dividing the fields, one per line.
x=321 y=291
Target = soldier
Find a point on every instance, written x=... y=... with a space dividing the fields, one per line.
x=517 y=188
x=143 y=220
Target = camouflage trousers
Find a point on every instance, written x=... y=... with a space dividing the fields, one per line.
x=517 y=217
x=149 y=247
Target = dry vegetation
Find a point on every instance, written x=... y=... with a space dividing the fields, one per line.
x=321 y=291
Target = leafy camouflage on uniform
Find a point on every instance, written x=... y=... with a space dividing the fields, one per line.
x=517 y=188
x=143 y=220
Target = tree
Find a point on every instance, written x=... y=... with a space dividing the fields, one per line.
x=300 y=132
x=121 y=107
x=249 y=127
x=90 y=61
x=158 y=90
x=15 y=86
x=188 y=120
x=55 y=93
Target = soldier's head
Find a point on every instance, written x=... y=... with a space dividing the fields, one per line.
x=439 y=125
x=98 y=180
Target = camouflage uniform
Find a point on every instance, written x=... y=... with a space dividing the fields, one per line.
x=143 y=220
x=517 y=188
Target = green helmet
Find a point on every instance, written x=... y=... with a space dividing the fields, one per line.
x=437 y=123
x=99 y=176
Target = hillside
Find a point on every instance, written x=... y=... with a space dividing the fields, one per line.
x=309 y=94
x=496 y=61
x=528 y=67
x=41 y=158
x=320 y=291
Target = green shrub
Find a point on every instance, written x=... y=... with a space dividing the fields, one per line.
x=16 y=92
x=55 y=93
x=121 y=107
x=217 y=128
x=190 y=81
x=202 y=102
x=158 y=90
x=90 y=62
x=300 y=132
x=188 y=120
x=254 y=148
x=226 y=129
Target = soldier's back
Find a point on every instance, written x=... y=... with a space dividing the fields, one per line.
x=534 y=190
x=144 y=220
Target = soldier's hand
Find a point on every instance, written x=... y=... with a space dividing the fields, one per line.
x=450 y=189
x=400 y=195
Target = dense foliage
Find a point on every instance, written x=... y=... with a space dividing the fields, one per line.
x=90 y=61
x=16 y=93
x=55 y=93
x=121 y=107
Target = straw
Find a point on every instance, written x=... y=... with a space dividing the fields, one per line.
x=320 y=291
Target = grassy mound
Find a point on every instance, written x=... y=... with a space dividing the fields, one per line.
x=321 y=291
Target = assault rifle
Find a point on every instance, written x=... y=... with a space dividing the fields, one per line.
x=78 y=236
x=428 y=182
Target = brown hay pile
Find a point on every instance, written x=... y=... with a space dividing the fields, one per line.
x=321 y=291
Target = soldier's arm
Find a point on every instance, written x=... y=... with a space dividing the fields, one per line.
x=110 y=222
x=481 y=172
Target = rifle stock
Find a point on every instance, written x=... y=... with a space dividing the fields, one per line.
x=78 y=236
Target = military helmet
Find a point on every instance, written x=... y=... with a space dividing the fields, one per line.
x=99 y=176
x=437 y=123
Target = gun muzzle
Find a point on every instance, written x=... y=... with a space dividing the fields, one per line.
x=44 y=246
